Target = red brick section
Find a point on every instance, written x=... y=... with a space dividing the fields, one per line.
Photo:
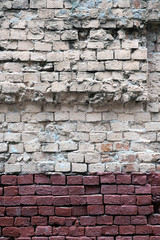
x=106 y=206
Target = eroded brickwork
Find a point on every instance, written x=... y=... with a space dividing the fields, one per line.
x=79 y=86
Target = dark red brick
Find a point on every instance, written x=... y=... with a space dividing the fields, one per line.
x=154 y=219
x=112 y=199
x=57 y=221
x=13 y=211
x=29 y=211
x=10 y=232
x=38 y=221
x=110 y=230
x=143 y=229
x=39 y=238
x=28 y=200
x=78 y=199
x=143 y=189
x=156 y=230
x=44 y=200
x=60 y=190
x=125 y=189
x=63 y=211
x=104 y=220
x=9 y=180
x=123 y=179
x=156 y=190
x=108 y=178
x=93 y=231
x=79 y=211
x=60 y=231
x=128 y=210
x=44 y=231
x=138 y=220
x=87 y=221
x=76 y=190
x=6 y=221
x=93 y=189
x=139 y=179
x=128 y=199
x=46 y=210
x=22 y=221
x=74 y=180
x=95 y=209
x=26 y=231
x=44 y=190
x=154 y=238
x=91 y=180
x=12 y=201
x=145 y=210
x=56 y=238
x=127 y=230
x=154 y=179
x=10 y=191
x=144 y=200
x=25 y=179
x=94 y=199
x=42 y=179
x=58 y=179
x=122 y=220
x=27 y=190
x=108 y=189
x=112 y=210
x=2 y=211
x=123 y=238
x=61 y=201
x=141 y=238
x=70 y=221
x=76 y=231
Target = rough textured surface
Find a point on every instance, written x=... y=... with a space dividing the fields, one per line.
x=79 y=86
x=103 y=207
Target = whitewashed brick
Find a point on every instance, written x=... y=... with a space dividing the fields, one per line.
x=79 y=167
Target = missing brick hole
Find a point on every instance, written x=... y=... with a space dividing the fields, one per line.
x=156 y=204
x=83 y=34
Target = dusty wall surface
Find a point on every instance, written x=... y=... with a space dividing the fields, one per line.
x=79 y=86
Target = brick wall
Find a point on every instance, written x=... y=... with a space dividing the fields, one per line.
x=104 y=206
x=76 y=91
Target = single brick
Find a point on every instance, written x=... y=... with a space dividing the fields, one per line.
x=74 y=180
x=138 y=220
x=61 y=201
x=105 y=220
x=25 y=179
x=91 y=180
x=38 y=221
x=76 y=190
x=13 y=211
x=79 y=211
x=110 y=230
x=59 y=190
x=122 y=220
x=109 y=178
x=94 y=199
x=143 y=229
x=46 y=210
x=112 y=199
x=123 y=179
x=108 y=189
x=44 y=200
x=95 y=209
x=57 y=221
x=58 y=179
x=11 y=232
x=29 y=211
x=12 y=201
x=22 y=221
x=42 y=179
x=44 y=230
x=129 y=210
x=128 y=199
x=6 y=221
x=28 y=200
x=125 y=189
x=76 y=231
x=11 y=191
x=144 y=200
x=78 y=199
x=139 y=179
x=44 y=190
x=87 y=221
x=9 y=180
x=127 y=230
x=27 y=190
x=93 y=231
x=63 y=211
x=145 y=210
